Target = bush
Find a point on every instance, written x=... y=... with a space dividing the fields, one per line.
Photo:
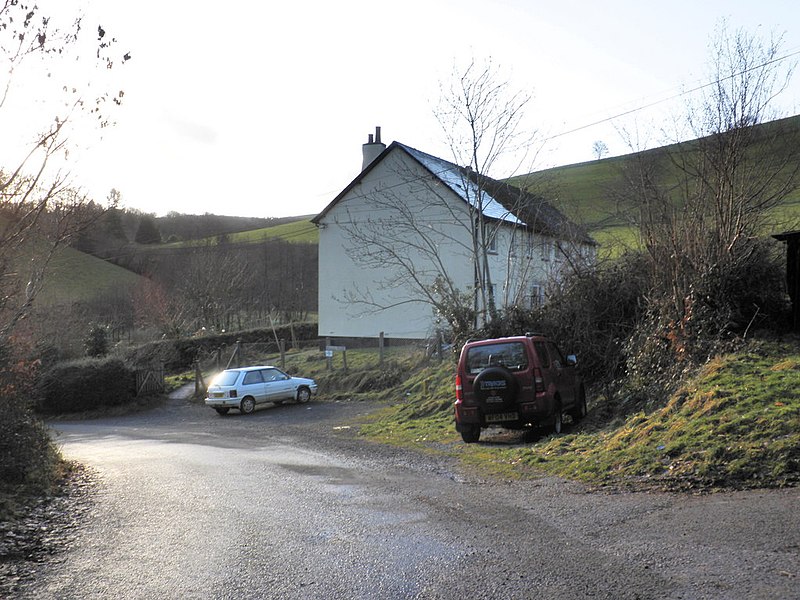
x=96 y=342
x=591 y=313
x=28 y=457
x=722 y=306
x=86 y=384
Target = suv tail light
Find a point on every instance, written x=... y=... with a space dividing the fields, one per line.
x=538 y=380
x=459 y=389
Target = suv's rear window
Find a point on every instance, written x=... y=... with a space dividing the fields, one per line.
x=511 y=355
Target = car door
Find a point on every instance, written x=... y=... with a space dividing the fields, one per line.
x=278 y=385
x=253 y=385
x=564 y=374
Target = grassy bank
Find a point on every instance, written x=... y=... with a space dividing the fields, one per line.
x=735 y=424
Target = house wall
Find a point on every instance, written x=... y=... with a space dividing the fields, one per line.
x=399 y=214
x=397 y=209
x=525 y=264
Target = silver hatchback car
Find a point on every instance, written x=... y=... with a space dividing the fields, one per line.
x=248 y=387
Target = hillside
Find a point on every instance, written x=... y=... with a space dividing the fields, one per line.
x=297 y=230
x=192 y=227
x=74 y=276
x=300 y=231
x=585 y=191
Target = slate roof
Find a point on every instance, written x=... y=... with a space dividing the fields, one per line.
x=502 y=202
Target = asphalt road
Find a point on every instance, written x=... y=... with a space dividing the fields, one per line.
x=287 y=503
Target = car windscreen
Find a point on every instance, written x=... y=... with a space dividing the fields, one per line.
x=511 y=355
x=226 y=378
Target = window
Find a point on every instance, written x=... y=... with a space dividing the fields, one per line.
x=547 y=249
x=530 y=243
x=541 y=352
x=511 y=355
x=491 y=246
x=252 y=377
x=555 y=354
x=273 y=375
x=537 y=297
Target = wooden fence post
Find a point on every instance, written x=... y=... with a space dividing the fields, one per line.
x=199 y=383
x=380 y=348
x=237 y=354
x=282 y=348
x=328 y=357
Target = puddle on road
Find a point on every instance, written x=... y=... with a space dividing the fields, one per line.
x=338 y=476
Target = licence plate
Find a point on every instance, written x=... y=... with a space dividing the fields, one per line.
x=217 y=395
x=497 y=418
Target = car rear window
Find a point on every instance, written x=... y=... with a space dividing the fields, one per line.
x=511 y=355
x=226 y=378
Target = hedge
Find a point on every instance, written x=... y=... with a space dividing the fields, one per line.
x=85 y=384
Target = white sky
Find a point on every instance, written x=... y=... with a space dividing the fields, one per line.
x=260 y=108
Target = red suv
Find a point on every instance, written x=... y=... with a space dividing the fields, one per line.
x=516 y=382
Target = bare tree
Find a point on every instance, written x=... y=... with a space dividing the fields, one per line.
x=39 y=207
x=432 y=227
x=702 y=205
x=599 y=149
x=481 y=117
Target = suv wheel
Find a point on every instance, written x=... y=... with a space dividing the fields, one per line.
x=557 y=420
x=579 y=411
x=471 y=434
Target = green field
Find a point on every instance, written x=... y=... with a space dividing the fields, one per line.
x=74 y=276
x=301 y=232
x=586 y=192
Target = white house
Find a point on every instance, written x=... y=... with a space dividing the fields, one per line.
x=401 y=234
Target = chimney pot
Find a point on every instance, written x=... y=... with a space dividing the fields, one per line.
x=372 y=149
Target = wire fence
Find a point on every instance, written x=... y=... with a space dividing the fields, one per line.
x=285 y=354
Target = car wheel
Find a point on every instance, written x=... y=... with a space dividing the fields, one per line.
x=303 y=395
x=248 y=405
x=579 y=410
x=472 y=434
x=557 y=420
x=222 y=411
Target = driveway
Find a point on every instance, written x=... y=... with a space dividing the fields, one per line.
x=289 y=503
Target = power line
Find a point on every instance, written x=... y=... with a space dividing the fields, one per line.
x=673 y=97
